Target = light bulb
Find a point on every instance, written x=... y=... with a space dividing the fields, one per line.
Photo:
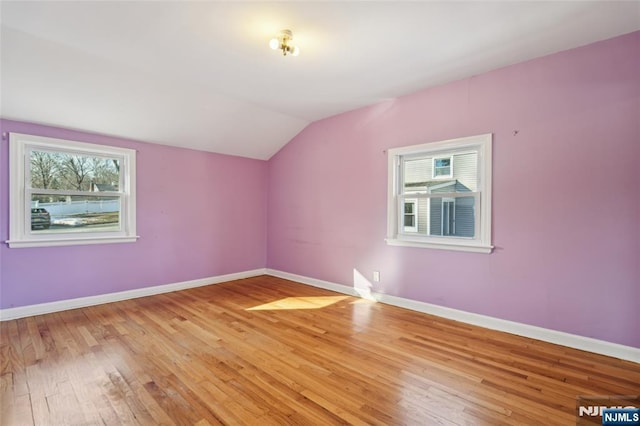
x=296 y=51
x=274 y=43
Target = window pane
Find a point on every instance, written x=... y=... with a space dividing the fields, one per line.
x=409 y=220
x=419 y=175
x=443 y=171
x=443 y=162
x=87 y=213
x=438 y=216
x=408 y=208
x=59 y=170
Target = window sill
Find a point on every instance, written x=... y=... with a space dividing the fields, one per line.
x=70 y=241
x=457 y=246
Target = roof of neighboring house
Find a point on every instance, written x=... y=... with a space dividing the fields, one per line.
x=431 y=183
x=432 y=186
x=104 y=187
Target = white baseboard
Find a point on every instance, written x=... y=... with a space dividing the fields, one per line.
x=63 y=305
x=552 y=336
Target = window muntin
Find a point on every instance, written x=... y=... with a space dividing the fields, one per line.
x=452 y=212
x=66 y=192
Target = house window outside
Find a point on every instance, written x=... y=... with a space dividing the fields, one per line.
x=450 y=208
x=67 y=193
x=442 y=167
x=410 y=215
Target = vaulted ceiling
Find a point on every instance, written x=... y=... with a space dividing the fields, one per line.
x=201 y=75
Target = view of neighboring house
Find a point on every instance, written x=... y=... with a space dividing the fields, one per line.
x=101 y=187
x=440 y=194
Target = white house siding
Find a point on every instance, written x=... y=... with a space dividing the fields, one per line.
x=436 y=216
x=465 y=218
x=465 y=170
x=417 y=170
x=423 y=204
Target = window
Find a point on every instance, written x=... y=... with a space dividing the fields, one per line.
x=434 y=205
x=442 y=167
x=65 y=192
x=411 y=215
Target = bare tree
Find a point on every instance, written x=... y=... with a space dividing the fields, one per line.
x=44 y=169
x=76 y=171
x=51 y=170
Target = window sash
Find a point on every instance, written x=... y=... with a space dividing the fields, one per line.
x=444 y=195
x=122 y=223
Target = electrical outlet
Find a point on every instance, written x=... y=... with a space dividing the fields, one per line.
x=376 y=276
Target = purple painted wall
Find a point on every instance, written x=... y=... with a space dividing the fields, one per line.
x=198 y=215
x=566 y=206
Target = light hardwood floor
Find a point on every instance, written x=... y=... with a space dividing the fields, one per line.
x=269 y=351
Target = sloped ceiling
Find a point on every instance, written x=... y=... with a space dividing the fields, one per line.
x=201 y=75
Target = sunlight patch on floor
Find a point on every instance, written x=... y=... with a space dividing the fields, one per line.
x=310 y=302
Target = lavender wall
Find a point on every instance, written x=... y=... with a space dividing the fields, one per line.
x=198 y=215
x=566 y=206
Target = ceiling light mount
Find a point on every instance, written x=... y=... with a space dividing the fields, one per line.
x=284 y=42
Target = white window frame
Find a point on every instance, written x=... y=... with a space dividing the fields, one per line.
x=20 y=234
x=433 y=167
x=481 y=242
x=415 y=215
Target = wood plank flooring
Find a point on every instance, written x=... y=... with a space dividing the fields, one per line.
x=269 y=351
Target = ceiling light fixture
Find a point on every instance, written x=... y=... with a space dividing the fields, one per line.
x=284 y=43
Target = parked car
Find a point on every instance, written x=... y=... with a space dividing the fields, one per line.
x=40 y=218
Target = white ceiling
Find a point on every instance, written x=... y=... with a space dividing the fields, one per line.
x=201 y=75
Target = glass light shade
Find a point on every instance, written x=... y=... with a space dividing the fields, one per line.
x=296 y=51
x=274 y=43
